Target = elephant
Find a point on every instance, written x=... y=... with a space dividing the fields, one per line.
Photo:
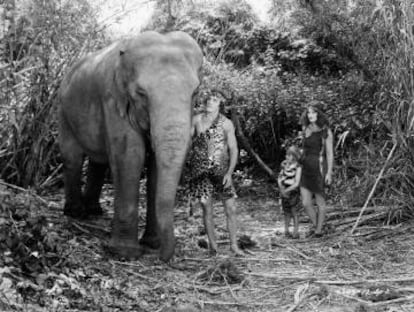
x=127 y=106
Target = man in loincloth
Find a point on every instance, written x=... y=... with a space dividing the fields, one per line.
x=212 y=160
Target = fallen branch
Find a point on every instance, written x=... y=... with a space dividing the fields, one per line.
x=256 y=304
x=352 y=282
x=294 y=250
x=298 y=298
x=18 y=188
x=92 y=226
x=148 y=278
x=247 y=145
x=279 y=276
x=377 y=304
x=80 y=228
x=374 y=187
x=398 y=300
x=243 y=259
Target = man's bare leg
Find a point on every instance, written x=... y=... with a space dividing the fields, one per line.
x=207 y=205
x=230 y=211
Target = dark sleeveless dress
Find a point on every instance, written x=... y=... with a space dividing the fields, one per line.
x=314 y=162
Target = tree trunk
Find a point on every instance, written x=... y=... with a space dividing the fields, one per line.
x=246 y=145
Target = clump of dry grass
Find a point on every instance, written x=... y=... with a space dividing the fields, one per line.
x=224 y=272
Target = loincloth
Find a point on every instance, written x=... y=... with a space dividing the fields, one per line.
x=208 y=186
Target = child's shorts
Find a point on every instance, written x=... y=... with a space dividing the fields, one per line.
x=291 y=204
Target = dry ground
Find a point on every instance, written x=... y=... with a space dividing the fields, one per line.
x=372 y=270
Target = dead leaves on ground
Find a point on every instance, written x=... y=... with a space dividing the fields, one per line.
x=51 y=264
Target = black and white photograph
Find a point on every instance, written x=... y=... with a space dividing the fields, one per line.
x=207 y=155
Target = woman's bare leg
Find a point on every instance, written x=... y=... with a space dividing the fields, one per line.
x=308 y=205
x=320 y=201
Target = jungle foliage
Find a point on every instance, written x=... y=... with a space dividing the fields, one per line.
x=39 y=40
x=354 y=57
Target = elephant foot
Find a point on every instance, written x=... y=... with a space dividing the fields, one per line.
x=124 y=251
x=94 y=209
x=76 y=211
x=167 y=249
x=150 y=242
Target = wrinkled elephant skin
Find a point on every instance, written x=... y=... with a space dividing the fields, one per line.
x=130 y=105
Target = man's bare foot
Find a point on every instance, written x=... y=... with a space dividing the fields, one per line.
x=212 y=252
x=237 y=252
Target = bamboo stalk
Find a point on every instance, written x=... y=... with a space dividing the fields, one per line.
x=374 y=187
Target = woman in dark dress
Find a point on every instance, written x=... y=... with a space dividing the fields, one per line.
x=317 y=163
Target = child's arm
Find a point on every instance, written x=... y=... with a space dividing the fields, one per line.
x=297 y=180
x=282 y=188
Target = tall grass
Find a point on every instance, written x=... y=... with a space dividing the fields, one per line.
x=397 y=96
x=393 y=40
x=42 y=40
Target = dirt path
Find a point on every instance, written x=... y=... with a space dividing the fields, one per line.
x=310 y=274
x=333 y=273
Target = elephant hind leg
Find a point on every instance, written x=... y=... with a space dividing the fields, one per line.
x=95 y=179
x=73 y=156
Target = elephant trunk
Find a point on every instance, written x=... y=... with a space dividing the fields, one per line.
x=170 y=138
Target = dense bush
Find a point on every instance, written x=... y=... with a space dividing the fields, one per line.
x=43 y=39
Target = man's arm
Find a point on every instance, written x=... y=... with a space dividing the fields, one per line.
x=232 y=145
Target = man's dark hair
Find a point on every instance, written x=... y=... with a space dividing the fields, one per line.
x=222 y=95
x=218 y=92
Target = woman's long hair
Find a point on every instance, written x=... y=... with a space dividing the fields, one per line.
x=322 y=121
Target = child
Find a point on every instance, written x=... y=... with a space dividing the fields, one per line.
x=288 y=182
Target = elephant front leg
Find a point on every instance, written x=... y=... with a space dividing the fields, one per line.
x=126 y=169
x=150 y=238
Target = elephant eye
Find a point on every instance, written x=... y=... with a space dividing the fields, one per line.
x=140 y=92
x=195 y=93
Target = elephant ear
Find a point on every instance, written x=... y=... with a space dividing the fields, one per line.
x=134 y=110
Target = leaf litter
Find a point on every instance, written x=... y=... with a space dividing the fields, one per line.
x=52 y=263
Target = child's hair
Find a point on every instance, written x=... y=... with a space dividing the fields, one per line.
x=294 y=151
